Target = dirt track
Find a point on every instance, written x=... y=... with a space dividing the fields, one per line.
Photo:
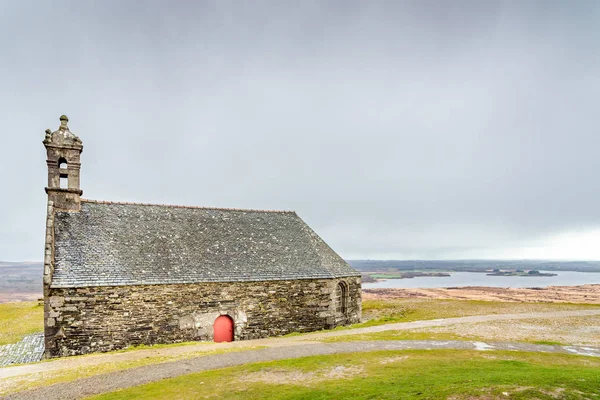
x=99 y=358
x=552 y=294
x=138 y=376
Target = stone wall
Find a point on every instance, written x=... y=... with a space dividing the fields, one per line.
x=92 y=319
x=48 y=264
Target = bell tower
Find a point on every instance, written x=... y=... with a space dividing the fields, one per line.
x=63 y=150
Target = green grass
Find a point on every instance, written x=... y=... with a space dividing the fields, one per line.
x=548 y=342
x=158 y=346
x=440 y=374
x=36 y=380
x=20 y=319
x=379 y=312
x=397 y=335
x=29 y=317
x=425 y=335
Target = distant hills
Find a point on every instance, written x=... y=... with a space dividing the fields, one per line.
x=474 y=265
x=21 y=264
x=23 y=280
x=20 y=281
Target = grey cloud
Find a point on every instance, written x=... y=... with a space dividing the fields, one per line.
x=418 y=129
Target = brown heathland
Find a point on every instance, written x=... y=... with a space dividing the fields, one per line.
x=552 y=294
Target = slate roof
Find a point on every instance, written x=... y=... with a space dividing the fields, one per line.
x=112 y=244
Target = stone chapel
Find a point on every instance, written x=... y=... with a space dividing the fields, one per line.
x=121 y=274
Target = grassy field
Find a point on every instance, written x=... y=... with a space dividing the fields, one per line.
x=378 y=312
x=584 y=331
x=74 y=372
x=389 y=375
x=398 y=335
x=20 y=319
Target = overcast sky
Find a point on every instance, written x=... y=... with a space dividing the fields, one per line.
x=423 y=129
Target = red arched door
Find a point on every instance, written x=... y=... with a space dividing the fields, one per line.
x=223 y=329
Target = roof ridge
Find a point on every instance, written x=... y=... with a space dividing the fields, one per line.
x=126 y=203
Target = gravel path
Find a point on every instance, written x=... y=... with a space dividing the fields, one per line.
x=138 y=376
x=277 y=349
x=452 y=321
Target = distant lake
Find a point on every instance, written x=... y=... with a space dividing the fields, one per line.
x=562 y=278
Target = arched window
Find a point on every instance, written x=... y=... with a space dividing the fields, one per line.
x=341 y=294
x=64 y=177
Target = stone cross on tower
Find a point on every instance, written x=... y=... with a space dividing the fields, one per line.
x=63 y=158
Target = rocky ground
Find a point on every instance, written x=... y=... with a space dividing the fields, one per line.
x=582 y=331
x=552 y=294
x=30 y=349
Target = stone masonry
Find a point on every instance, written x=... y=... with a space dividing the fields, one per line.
x=122 y=274
x=63 y=151
x=83 y=320
x=30 y=349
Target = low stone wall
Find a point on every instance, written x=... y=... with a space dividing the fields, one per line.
x=30 y=349
x=92 y=319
